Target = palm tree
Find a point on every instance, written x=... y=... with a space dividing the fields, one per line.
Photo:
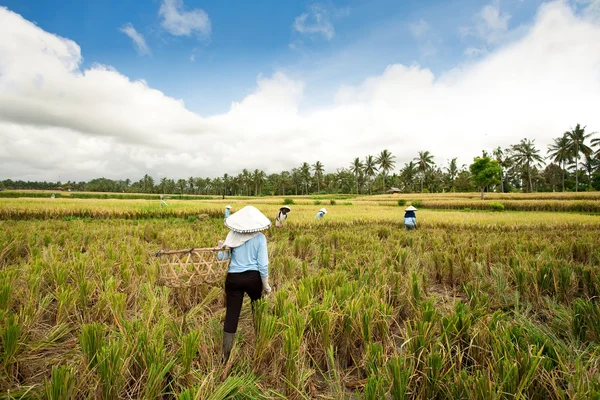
x=560 y=153
x=370 y=169
x=407 y=175
x=318 y=168
x=526 y=155
x=577 y=146
x=284 y=179
x=452 y=171
x=424 y=162
x=258 y=177
x=596 y=143
x=386 y=163
x=305 y=174
x=356 y=168
x=499 y=156
x=246 y=179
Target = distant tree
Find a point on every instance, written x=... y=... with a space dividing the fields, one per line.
x=484 y=173
x=577 y=146
x=424 y=162
x=452 y=172
x=596 y=143
x=305 y=173
x=526 y=156
x=553 y=175
x=181 y=184
x=560 y=153
x=356 y=168
x=386 y=163
x=370 y=170
x=408 y=175
x=318 y=168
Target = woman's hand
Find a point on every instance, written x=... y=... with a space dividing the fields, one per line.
x=265 y=284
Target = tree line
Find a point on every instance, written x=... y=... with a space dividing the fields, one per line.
x=571 y=163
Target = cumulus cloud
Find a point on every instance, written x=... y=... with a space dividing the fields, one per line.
x=57 y=118
x=179 y=22
x=315 y=22
x=138 y=39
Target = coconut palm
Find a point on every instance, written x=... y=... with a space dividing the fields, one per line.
x=424 y=162
x=305 y=174
x=577 y=146
x=386 y=163
x=560 y=153
x=318 y=168
x=370 y=169
x=525 y=155
x=408 y=174
x=356 y=168
x=452 y=172
x=596 y=143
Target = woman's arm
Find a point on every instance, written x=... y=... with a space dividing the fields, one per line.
x=263 y=257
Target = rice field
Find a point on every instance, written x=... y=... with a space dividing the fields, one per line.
x=473 y=305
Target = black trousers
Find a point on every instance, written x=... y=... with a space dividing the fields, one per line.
x=235 y=286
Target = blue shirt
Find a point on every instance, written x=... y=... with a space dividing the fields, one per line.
x=410 y=214
x=320 y=214
x=226 y=212
x=251 y=256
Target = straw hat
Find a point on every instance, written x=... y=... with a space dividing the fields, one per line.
x=286 y=208
x=247 y=220
x=323 y=210
x=227 y=206
x=411 y=208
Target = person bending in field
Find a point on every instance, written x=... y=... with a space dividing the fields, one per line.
x=410 y=218
x=248 y=269
x=321 y=213
x=227 y=211
x=282 y=216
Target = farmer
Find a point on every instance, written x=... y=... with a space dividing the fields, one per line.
x=282 y=216
x=321 y=213
x=248 y=269
x=410 y=218
x=227 y=211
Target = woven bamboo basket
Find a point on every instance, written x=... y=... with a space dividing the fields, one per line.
x=193 y=267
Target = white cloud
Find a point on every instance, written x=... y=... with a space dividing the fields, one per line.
x=315 y=22
x=57 y=118
x=490 y=24
x=419 y=29
x=179 y=22
x=591 y=8
x=138 y=39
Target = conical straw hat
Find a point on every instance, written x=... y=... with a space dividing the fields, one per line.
x=247 y=220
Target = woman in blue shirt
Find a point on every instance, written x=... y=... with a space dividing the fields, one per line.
x=227 y=211
x=321 y=213
x=410 y=218
x=249 y=267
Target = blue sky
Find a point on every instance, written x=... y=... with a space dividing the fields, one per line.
x=188 y=87
x=249 y=38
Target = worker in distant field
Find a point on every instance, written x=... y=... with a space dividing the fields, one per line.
x=282 y=216
x=249 y=267
x=410 y=218
x=321 y=213
x=227 y=211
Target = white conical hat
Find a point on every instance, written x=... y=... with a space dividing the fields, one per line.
x=411 y=208
x=286 y=207
x=323 y=210
x=247 y=220
x=228 y=206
